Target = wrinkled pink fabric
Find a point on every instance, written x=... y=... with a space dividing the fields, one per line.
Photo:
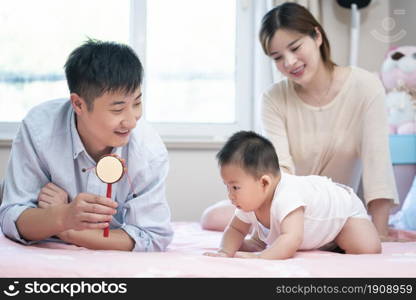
x=184 y=259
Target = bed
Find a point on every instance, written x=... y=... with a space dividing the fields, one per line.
x=184 y=259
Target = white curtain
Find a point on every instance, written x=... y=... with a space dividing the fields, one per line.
x=264 y=71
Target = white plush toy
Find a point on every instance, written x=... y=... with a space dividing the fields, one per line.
x=398 y=74
x=401 y=112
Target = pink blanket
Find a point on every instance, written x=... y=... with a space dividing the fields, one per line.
x=184 y=259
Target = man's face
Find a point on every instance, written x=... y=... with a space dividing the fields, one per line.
x=110 y=121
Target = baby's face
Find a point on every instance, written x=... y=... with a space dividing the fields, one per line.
x=244 y=191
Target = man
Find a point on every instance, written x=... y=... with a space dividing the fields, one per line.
x=49 y=194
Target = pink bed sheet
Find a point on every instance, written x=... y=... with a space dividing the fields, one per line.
x=184 y=259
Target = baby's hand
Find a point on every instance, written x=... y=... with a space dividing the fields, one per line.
x=51 y=195
x=217 y=254
x=241 y=254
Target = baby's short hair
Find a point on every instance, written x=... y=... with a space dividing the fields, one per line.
x=253 y=152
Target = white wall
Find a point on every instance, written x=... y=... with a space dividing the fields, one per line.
x=336 y=23
x=4 y=156
x=406 y=22
x=194 y=183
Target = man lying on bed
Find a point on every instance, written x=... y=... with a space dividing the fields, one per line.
x=51 y=190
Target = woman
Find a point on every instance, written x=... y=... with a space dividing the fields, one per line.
x=323 y=119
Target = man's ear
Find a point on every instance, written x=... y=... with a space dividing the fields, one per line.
x=78 y=104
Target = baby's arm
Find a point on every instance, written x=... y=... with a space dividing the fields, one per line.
x=290 y=238
x=232 y=239
x=288 y=242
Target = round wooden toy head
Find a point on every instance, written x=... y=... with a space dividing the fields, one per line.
x=110 y=168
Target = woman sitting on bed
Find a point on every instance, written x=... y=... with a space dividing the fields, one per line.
x=288 y=212
x=323 y=119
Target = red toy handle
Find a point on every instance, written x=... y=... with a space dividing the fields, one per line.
x=106 y=232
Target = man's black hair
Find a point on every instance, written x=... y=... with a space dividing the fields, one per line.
x=253 y=152
x=97 y=67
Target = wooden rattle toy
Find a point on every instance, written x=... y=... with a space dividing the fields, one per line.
x=110 y=169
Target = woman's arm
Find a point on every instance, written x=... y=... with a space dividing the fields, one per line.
x=273 y=122
x=378 y=177
x=379 y=210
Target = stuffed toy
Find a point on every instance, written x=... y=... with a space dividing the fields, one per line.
x=398 y=74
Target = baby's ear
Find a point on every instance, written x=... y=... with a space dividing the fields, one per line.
x=265 y=180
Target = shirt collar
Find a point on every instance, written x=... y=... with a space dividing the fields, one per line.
x=77 y=145
x=117 y=150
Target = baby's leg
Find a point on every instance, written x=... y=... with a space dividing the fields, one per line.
x=217 y=216
x=359 y=236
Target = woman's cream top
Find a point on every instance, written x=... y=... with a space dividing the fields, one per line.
x=342 y=140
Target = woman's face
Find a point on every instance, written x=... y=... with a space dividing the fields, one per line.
x=296 y=55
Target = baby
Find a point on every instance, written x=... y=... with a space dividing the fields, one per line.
x=288 y=213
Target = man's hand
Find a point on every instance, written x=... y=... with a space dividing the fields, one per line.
x=89 y=211
x=50 y=195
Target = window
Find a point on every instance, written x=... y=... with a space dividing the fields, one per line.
x=197 y=66
x=195 y=53
x=36 y=39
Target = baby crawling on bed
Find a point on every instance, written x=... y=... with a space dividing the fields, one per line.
x=288 y=213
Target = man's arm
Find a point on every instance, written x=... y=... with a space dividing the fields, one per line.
x=52 y=196
x=93 y=239
x=86 y=211
x=49 y=218
x=25 y=175
x=36 y=224
x=147 y=216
